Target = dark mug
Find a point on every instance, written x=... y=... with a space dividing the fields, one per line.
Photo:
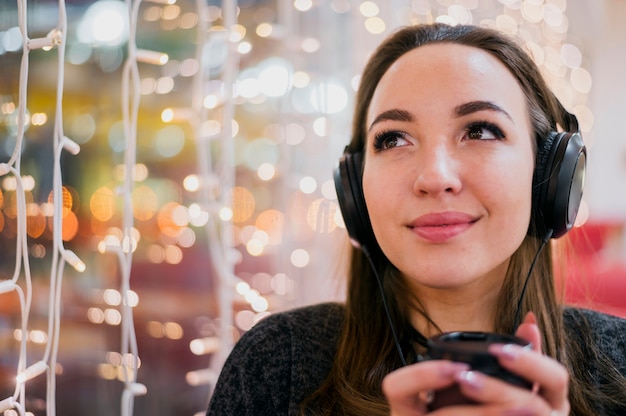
x=471 y=348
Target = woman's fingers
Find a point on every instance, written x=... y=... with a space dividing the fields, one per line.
x=499 y=397
x=529 y=331
x=409 y=389
x=551 y=377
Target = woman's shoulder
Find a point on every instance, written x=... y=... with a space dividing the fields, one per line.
x=329 y=313
x=599 y=321
x=279 y=361
x=291 y=350
x=290 y=336
x=313 y=323
x=607 y=331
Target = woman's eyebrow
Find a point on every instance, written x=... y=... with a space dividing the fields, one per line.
x=475 y=106
x=461 y=110
x=393 y=114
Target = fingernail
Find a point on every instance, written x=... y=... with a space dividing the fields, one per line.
x=508 y=351
x=471 y=379
x=427 y=396
x=451 y=368
x=531 y=318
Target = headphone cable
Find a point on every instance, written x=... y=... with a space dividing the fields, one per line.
x=384 y=299
x=396 y=340
x=544 y=241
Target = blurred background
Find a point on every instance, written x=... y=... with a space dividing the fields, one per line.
x=241 y=118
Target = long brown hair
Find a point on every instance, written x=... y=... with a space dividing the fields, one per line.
x=366 y=351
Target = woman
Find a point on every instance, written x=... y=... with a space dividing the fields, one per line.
x=448 y=189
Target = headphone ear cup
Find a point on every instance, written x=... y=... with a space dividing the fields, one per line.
x=558 y=183
x=348 y=185
x=540 y=183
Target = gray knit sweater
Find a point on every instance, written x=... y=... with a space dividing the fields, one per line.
x=286 y=357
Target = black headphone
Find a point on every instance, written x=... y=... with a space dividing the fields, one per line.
x=558 y=182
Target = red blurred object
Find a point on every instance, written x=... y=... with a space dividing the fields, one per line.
x=595 y=272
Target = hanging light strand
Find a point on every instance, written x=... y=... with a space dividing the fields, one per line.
x=217 y=169
x=55 y=38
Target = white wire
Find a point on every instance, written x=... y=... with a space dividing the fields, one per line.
x=217 y=165
x=131 y=93
x=59 y=258
x=130 y=109
x=21 y=251
x=48 y=363
x=227 y=176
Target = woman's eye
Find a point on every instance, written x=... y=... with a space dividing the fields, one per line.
x=389 y=140
x=484 y=131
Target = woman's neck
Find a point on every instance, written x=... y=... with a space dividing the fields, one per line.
x=465 y=309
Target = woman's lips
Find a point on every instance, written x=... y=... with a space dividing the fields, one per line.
x=442 y=226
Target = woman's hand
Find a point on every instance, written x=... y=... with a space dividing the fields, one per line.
x=409 y=389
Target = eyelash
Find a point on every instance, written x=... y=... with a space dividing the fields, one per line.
x=478 y=125
x=382 y=137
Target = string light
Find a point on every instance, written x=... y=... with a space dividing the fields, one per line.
x=151 y=57
x=55 y=38
x=131 y=91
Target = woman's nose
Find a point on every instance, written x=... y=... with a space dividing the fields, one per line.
x=437 y=172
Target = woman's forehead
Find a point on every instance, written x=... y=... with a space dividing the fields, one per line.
x=450 y=72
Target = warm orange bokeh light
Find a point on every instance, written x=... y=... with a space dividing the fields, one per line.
x=144 y=203
x=243 y=204
x=10 y=202
x=70 y=226
x=165 y=220
x=68 y=200
x=271 y=221
x=102 y=204
x=35 y=221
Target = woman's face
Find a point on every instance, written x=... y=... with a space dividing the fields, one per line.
x=448 y=166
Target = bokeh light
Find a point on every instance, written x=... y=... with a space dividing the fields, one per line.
x=243 y=204
x=104 y=23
